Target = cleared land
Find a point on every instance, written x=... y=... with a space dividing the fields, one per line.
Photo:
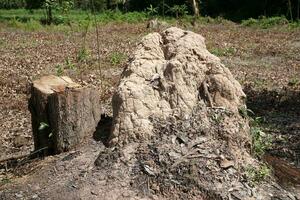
x=265 y=61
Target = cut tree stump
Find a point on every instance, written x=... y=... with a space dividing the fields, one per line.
x=62 y=113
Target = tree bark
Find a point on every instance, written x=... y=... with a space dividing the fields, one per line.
x=195 y=7
x=298 y=9
x=290 y=9
x=50 y=16
x=62 y=113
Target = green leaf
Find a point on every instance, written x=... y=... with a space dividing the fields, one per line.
x=43 y=125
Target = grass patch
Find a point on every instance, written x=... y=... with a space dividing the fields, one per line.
x=259 y=83
x=261 y=141
x=294 y=82
x=33 y=20
x=83 y=55
x=59 y=70
x=269 y=22
x=5 y=181
x=117 y=58
x=31 y=25
x=230 y=51
x=256 y=175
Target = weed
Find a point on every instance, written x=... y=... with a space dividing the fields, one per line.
x=116 y=58
x=265 y=22
x=260 y=140
x=32 y=25
x=43 y=126
x=2 y=42
x=259 y=83
x=178 y=10
x=244 y=112
x=4 y=181
x=293 y=82
x=217 y=118
x=230 y=51
x=18 y=18
x=59 y=70
x=82 y=55
x=152 y=11
x=69 y=64
x=258 y=175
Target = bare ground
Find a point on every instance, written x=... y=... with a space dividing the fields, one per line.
x=266 y=62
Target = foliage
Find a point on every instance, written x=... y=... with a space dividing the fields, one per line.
x=264 y=22
x=151 y=11
x=66 y=6
x=294 y=81
x=59 y=70
x=29 y=20
x=69 y=64
x=12 y=4
x=234 y=9
x=43 y=126
x=258 y=175
x=178 y=10
x=4 y=181
x=228 y=51
x=30 y=25
x=61 y=6
x=82 y=54
x=20 y=18
x=245 y=112
x=260 y=140
x=116 y=58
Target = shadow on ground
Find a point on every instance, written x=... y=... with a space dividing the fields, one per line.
x=103 y=129
x=280 y=111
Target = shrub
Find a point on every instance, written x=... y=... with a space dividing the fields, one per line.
x=116 y=58
x=258 y=175
x=12 y=4
x=265 y=22
x=261 y=141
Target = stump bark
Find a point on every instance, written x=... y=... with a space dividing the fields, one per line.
x=62 y=113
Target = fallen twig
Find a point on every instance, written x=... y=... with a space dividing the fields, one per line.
x=22 y=156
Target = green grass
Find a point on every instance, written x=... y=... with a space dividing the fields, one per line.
x=269 y=22
x=116 y=58
x=74 y=16
x=82 y=55
x=4 y=181
x=257 y=175
x=294 y=81
x=261 y=141
x=30 y=20
x=228 y=51
x=31 y=25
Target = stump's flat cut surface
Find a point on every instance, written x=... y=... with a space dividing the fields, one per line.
x=63 y=113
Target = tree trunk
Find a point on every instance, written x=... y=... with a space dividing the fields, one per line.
x=49 y=15
x=290 y=9
x=62 y=113
x=195 y=7
x=298 y=10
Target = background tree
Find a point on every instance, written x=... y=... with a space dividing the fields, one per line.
x=235 y=10
x=195 y=6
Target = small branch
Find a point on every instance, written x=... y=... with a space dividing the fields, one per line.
x=22 y=156
x=13 y=158
x=98 y=44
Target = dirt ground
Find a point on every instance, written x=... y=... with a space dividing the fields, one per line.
x=266 y=62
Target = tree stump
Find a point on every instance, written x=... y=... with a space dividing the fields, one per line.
x=62 y=113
